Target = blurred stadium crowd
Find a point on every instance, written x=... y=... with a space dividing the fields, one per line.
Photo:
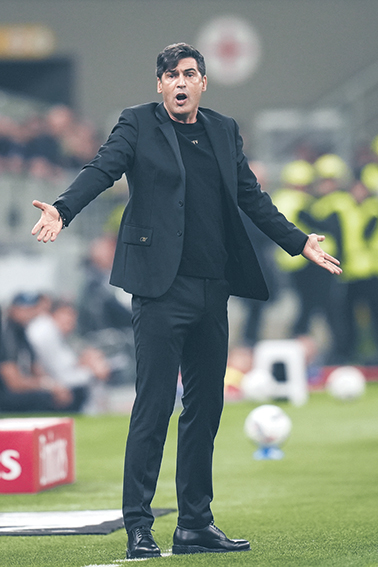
x=60 y=355
x=330 y=198
x=44 y=145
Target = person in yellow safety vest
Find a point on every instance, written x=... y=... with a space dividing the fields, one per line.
x=369 y=206
x=330 y=197
x=369 y=180
x=292 y=198
x=361 y=275
x=296 y=198
x=252 y=329
x=333 y=208
x=337 y=213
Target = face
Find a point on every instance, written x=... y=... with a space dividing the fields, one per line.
x=182 y=89
x=23 y=314
x=65 y=318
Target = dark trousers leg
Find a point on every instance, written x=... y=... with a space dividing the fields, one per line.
x=203 y=368
x=161 y=328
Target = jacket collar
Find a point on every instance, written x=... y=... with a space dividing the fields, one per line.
x=161 y=113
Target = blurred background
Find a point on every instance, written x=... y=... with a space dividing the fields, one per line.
x=301 y=79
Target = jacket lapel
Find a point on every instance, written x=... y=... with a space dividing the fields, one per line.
x=220 y=143
x=169 y=132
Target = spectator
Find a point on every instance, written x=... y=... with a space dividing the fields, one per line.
x=43 y=157
x=49 y=335
x=332 y=213
x=24 y=386
x=103 y=319
x=359 y=283
x=6 y=127
x=293 y=198
x=46 y=144
x=99 y=307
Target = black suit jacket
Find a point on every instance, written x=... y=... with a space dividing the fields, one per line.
x=144 y=146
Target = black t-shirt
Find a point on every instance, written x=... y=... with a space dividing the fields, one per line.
x=204 y=253
x=15 y=347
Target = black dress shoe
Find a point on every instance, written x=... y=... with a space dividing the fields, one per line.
x=206 y=540
x=141 y=544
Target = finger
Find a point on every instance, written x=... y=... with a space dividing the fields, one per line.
x=38 y=225
x=336 y=271
x=48 y=235
x=42 y=234
x=332 y=259
x=333 y=268
x=316 y=237
x=39 y=205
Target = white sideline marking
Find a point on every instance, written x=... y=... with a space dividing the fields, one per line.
x=117 y=562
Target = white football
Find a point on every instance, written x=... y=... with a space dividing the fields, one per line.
x=257 y=385
x=268 y=426
x=346 y=383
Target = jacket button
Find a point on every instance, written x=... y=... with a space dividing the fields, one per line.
x=181 y=203
x=179 y=233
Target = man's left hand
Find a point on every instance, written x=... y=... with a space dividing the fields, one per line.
x=313 y=252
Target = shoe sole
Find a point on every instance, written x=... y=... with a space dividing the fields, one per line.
x=186 y=549
x=142 y=555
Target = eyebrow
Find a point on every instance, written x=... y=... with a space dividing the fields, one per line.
x=185 y=70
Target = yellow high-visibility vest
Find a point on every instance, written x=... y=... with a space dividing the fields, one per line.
x=353 y=218
x=291 y=203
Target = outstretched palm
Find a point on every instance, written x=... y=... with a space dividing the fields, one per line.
x=313 y=252
x=49 y=225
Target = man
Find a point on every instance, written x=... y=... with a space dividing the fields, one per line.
x=24 y=384
x=182 y=249
x=83 y=372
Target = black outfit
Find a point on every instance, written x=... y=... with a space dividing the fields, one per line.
x=16 y=348
x=182 y=249
x=98 y=308
x=106 y=323
x=204 y=250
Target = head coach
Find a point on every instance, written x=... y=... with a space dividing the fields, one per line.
x=182 y=250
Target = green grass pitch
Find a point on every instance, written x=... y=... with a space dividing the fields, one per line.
x=316 y=507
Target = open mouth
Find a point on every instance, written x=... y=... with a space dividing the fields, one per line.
x=181 y=97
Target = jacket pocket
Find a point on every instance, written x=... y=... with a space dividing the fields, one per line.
x=137 y=235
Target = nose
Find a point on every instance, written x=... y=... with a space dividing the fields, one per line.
x=181 y=80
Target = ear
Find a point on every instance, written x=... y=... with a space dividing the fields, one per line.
x=159 y=86
x=204 y=83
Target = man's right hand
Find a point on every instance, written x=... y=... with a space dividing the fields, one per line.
x=49 y=225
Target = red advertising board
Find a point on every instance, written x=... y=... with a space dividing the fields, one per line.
x=36 y=454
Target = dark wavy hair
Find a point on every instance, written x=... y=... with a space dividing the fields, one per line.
x=171 y=55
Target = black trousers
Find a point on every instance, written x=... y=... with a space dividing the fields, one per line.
x=187 y=327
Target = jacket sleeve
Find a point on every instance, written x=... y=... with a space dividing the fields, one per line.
x=258 y=206
x=114 y=158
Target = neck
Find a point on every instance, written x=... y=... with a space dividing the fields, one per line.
x=183 y=118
